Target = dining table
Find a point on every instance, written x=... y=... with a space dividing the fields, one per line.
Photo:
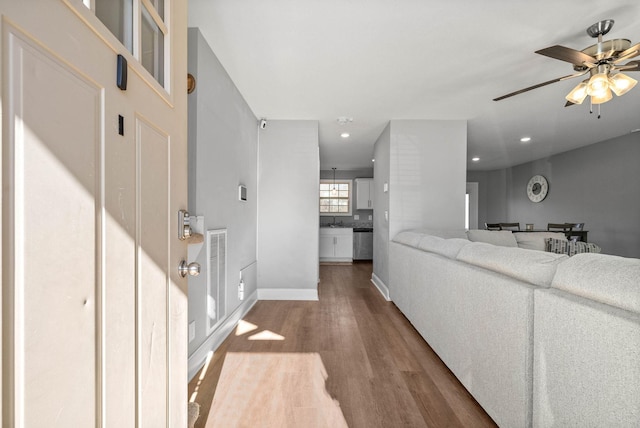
x=580 y=234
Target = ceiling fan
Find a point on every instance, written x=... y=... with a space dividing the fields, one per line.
x=601 y=61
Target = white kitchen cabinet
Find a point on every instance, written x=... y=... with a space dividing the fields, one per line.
x=364 y=193
x=336 y=244
x=327 y=244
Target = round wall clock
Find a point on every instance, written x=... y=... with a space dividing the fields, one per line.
x=537 y=188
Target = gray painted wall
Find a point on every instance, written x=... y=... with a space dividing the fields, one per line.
x=597 y=184
x=381 y=174
x=288 y=220
x=428 y=172
x=427 y=180
x=223 y=152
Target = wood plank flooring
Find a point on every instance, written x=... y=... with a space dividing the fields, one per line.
x=349 y=359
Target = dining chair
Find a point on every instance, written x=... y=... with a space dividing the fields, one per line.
x=492 y=226
x=574 y=227
x=559 y=227
x=510 y=226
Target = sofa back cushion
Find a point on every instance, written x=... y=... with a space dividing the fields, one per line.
x=534 y=267
x=608 y=279
x=409 y=237
x=446 y=234
x=536 y=240
x=445 y=247
x=412 y=237
x=504 y=238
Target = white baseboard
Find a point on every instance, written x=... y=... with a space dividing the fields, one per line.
x=199 y=356
x=382 y=288
x=287 y=294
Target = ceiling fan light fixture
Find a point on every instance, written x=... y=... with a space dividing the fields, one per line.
x=620 y=83
x=578 y=94
x=601 y=99
x=598 y=85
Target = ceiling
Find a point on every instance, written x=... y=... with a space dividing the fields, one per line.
x=376 y=60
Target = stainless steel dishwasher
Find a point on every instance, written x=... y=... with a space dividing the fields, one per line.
x=362 y=243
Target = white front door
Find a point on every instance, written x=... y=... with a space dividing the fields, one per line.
x=93 y=309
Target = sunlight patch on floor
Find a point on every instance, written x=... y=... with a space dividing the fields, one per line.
x=245 y=327
x=274 y=389
x=203 y=373
x=266 y=335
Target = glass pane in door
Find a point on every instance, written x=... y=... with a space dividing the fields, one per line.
x=152 y=54
x=159 y=5
x=117 y=16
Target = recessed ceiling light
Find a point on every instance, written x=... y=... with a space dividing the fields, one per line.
x=525 y=139
x=476 y=159
x=345 y=135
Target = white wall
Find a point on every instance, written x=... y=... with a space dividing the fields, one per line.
x=425 y=166
x=288 y=221
x=223 y=151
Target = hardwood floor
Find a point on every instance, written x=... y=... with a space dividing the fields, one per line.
x=349 y=359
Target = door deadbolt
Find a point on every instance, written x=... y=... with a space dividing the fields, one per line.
x=184 y=225
x=192 y=269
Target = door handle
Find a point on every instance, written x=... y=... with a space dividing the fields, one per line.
x=192 y=269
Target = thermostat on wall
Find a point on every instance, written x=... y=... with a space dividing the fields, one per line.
x=242 y=192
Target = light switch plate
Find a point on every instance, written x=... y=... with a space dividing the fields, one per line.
x=386 y=187
x=370 y=217
x=356 y=217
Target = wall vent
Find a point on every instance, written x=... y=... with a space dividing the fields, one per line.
x=216 y=278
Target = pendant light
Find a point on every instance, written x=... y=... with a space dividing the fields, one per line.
x=334 y=179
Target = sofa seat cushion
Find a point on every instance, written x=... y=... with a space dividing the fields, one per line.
x=504 y=238
x=534 y=267
x=604 y=278
x=536 y=240
x=445 y=247
x=570 y=248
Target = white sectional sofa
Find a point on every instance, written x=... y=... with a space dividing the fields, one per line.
x=539 y=339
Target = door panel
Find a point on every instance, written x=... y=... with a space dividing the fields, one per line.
x=153 y=280
x=56 y=302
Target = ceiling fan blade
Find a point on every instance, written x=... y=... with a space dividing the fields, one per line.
x=628 y=53
x=539 y=85
x=569 y=55
x=630 y=66
x=569 y=104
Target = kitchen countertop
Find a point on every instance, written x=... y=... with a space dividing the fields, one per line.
x=346 y=226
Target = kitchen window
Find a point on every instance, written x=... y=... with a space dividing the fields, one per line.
x=335 y=197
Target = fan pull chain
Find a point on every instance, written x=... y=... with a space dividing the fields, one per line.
x=591 y=109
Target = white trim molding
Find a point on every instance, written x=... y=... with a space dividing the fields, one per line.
x=199 y=356
x=287 y=294
x=380 y=285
